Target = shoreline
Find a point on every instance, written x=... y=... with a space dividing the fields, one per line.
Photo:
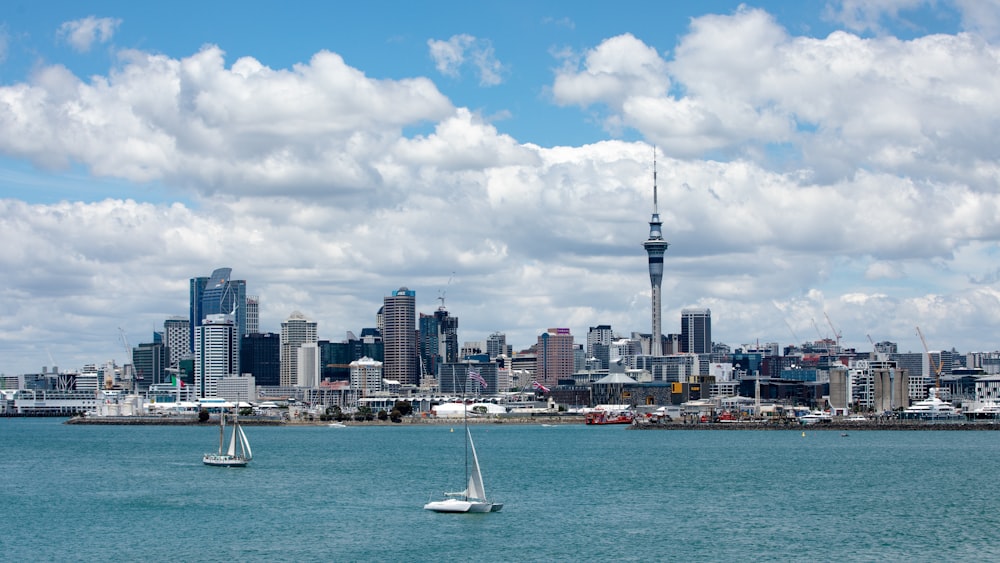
x=554 y=420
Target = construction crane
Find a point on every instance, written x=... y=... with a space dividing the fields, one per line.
x=128 y=357
x=836 y=335
x=930 y=360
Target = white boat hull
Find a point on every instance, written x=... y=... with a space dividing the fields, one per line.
x=225 y=460
x=459 y=506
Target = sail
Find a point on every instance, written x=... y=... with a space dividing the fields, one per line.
x=245 y=443
x=232 y=440
x=475 y=489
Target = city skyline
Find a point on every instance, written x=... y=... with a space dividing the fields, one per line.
x=821 y=160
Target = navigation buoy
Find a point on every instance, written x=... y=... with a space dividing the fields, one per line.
x=803 y=434
x=452 y=430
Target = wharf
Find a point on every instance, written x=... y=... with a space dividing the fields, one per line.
x=838 y=426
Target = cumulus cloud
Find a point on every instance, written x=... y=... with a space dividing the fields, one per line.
x=743 y=87
x=310 y=183
x=452 y=54
x=83 y=33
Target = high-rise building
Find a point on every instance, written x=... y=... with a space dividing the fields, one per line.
x=696 y=331
x=655 y=248
x=496 y=345
x=400 y=337
x=216 y=353
x=438 y=340
x=149 y=364
x=218 y=295
x=307 y=366
x=366 y=375
x=295 y=331
x=599 y=339
x=253 y=314
x=260 y=356
x=177 y=336
x=555 y=359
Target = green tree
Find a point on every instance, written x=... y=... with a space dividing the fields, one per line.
x=396 y=416
x=405 y=408
x=382 y=415
x=203 y=415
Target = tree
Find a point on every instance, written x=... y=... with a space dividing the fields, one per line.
x=405 y=408
x=203 y=415
x=396 y=416
x=382 y=415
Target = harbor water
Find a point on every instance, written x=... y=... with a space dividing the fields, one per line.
x=571 y=492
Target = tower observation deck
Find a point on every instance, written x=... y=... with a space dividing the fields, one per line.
x=655 y=248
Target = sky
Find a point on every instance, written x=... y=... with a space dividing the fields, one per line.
x=825 y=169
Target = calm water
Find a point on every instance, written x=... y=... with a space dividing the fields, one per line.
x=86 y=493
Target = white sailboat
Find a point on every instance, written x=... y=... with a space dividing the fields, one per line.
x=238 y=453
x=473 y=498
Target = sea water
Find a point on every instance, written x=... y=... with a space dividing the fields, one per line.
x=571 y=492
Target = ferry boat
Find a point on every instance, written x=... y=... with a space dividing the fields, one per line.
x=605 y=417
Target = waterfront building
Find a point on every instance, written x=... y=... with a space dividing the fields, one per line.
x=260 y=356
x=555 y=357
x=295 y=331
x=366 y=375
x=454 y=378
x=176 y=336
x=655 y=248
x=237 y=388
x=399 y=335
x=216 y=352
x=696 y=331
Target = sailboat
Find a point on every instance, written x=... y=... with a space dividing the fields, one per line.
x=238 y=454
x=473 y=498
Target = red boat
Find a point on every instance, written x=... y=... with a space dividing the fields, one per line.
x=602 y=417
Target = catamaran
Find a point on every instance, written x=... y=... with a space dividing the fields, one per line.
x=473 y=498
x=238 y=454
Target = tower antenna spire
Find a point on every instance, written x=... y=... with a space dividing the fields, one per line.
x=655 y=248
x=654 y=179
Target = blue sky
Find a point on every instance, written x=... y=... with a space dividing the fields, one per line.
x=816 y=158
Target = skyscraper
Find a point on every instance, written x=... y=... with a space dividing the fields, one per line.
x=438 y=340
x=599 y=340
x=496 y=345
x=260 y=356
x=399 y=334
x=655 y=248
x=218 y=295
x=295 y=331
x=554 y=359
x=253 y=314
x=177 y=337
x=696 y=331
x=215 y=353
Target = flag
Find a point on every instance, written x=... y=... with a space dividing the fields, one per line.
x=539 y=386
x=474 y=375
x=177 y=381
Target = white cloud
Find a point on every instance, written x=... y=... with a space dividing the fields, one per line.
x=450 y=55
x=307 y=182
x=83 y=33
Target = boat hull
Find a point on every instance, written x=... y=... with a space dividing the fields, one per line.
x=457 y=506
x=225 y=460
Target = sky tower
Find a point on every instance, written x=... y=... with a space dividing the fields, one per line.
x=655 y=247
